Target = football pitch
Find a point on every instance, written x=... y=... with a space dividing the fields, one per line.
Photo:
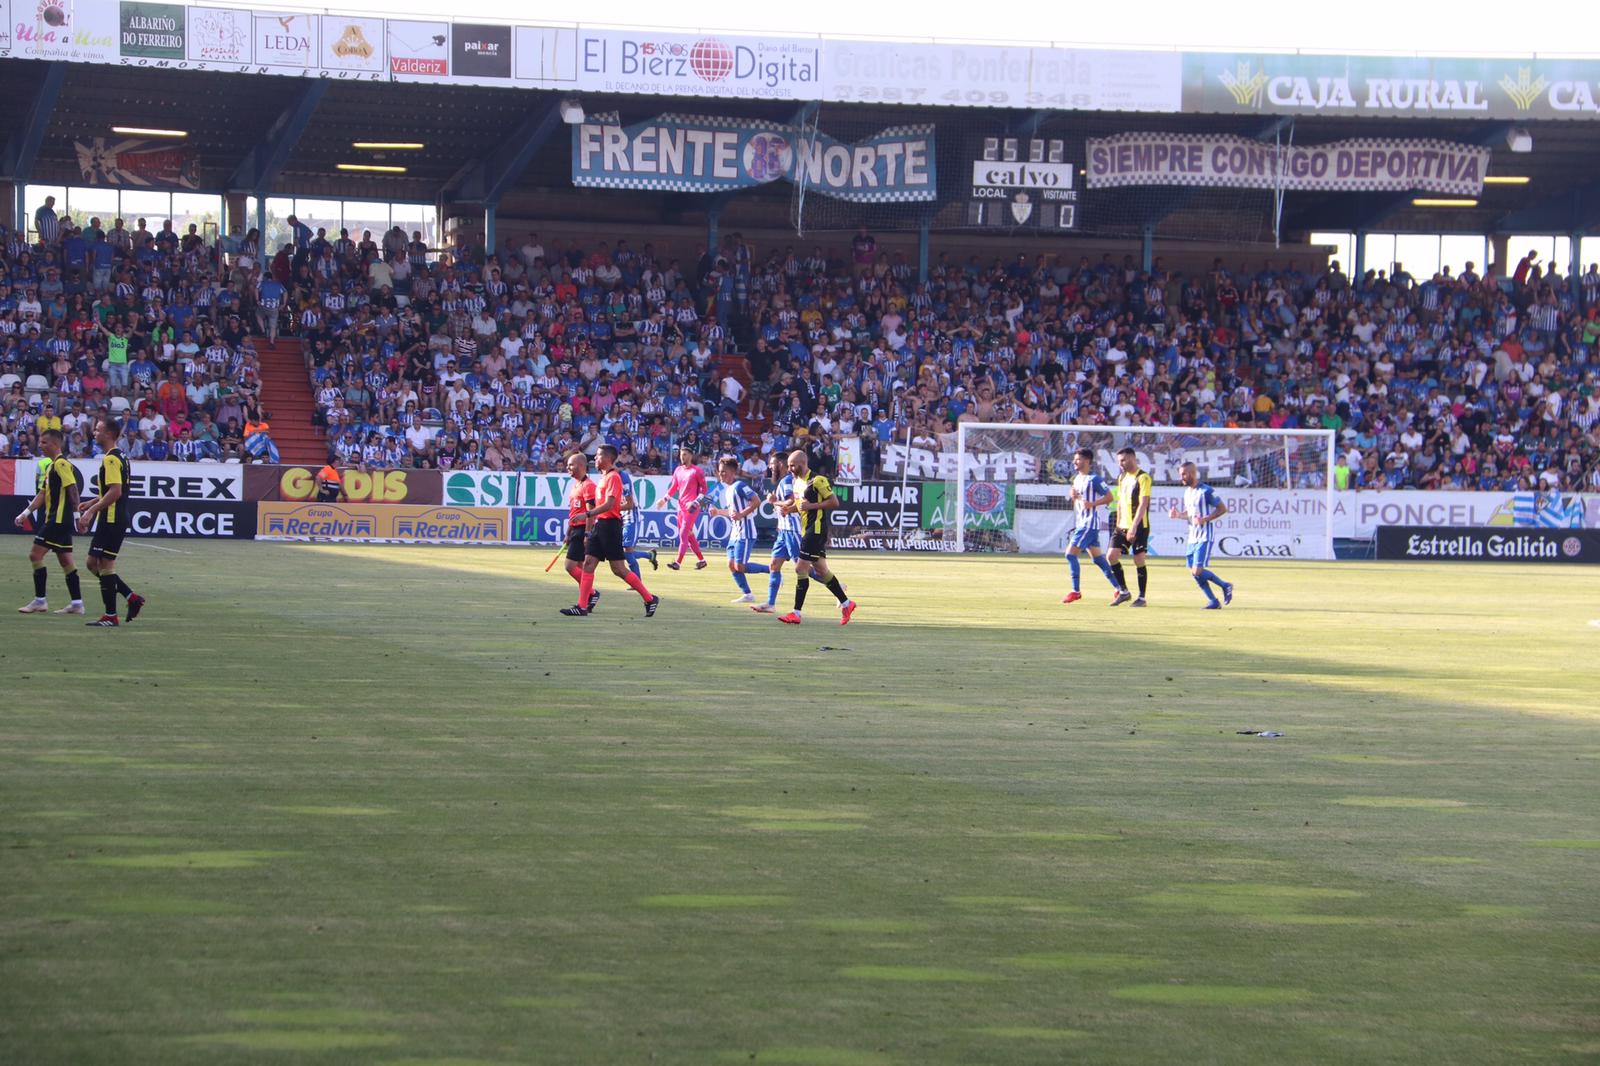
x=368 y=804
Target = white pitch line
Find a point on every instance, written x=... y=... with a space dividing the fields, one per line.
x=160 y=548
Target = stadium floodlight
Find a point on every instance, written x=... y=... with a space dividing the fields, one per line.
x=1519 y=139
x=1507 y=179
x=1008 y=487
x=370 y=168
x=571 y=112
x=145 y=131
x=389 y=146
x=1428 y=201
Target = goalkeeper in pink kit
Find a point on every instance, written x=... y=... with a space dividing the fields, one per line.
x=689 y=486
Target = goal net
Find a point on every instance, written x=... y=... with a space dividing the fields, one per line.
x=1008 y=487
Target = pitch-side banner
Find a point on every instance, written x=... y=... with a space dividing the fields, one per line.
x=701 y=153
x=1260 y=523
x=1365 y=164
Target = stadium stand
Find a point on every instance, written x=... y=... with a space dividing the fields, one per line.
x=402 y=358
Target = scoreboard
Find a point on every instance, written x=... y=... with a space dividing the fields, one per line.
x=1021 y=184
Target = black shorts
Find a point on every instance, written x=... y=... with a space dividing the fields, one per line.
x=575 y=539
x=107 y=541
x=605 y=541
x=814 y=546
x=1137 y=544
x=57 y=536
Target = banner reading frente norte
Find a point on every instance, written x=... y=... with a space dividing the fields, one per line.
x=1365 y=164
x=699 y=153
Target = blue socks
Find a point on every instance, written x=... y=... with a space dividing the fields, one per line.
x=1207 y=575
x=774 y=583
x=738 y=579
x=1200 y=579
x=755 y=568
x=1072 y=564
x=633 y=564
x=1105 y=568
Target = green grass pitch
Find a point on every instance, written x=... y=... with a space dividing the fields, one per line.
x=350 y=804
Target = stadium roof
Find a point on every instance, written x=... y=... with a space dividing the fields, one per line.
x=231 y=117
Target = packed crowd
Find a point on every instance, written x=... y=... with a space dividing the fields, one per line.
x=509 y=360
x=137 y=323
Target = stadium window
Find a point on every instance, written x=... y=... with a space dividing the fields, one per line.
x=414 y=217
x=360 y=215
x=320 y=214
x=1380 y=252
x=1556 y=251
x=202 y=210
x=1456 y=250
x=279 y=208
x=154 y=207
x=1418 y=253
x=84 y=204
x=1590 y=247
x=1343 y=245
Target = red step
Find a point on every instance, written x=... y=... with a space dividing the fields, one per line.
x=286 y=393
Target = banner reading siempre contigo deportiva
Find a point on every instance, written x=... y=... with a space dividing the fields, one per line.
x=699 y=153
x=1365 y=164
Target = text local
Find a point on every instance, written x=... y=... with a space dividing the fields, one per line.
x=715 y=154
x=1181 y=158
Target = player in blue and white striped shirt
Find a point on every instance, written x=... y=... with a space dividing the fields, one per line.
x=786 y=546
x=739 y=503
x=1089 y=493
x=1202 y=507
x=631 y=523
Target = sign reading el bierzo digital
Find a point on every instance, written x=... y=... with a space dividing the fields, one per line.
x=667 y=63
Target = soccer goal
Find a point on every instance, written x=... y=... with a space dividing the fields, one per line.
x=1008 y=487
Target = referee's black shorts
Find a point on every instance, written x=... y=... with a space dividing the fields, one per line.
x=575 y=543
x=1138 y=544
x=107 y=541
x=605 y=541
x=814 y=546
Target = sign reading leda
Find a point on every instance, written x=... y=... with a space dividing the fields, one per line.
x=1391 y=86
x=1224 y=161
x=696 y=153
x=404 y=522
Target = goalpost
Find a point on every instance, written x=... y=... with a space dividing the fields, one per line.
x=1008 y=486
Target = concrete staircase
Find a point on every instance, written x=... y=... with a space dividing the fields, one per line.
x=287 y=397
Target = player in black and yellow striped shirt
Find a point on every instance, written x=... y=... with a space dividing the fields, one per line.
x=58 y=500
x=812 y=498
x=109 y=514
x=1132 y=532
